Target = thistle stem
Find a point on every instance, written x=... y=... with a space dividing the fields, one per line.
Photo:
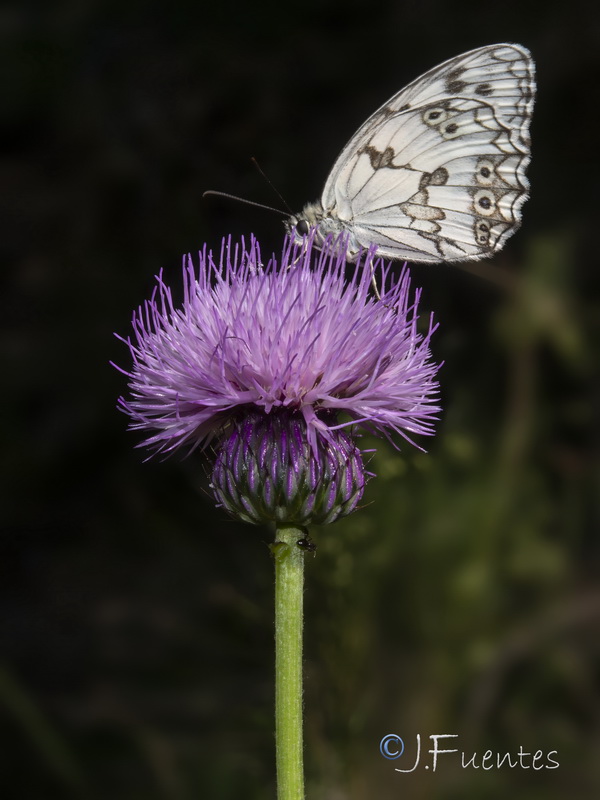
x=289 y=580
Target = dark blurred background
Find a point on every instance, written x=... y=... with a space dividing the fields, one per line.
x=136 y=654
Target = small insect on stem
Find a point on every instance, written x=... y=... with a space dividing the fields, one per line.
x=307 y=544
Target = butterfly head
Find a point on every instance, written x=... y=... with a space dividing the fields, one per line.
x=300 y=225
x=314 y=221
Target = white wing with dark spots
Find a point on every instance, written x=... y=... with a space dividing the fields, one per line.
x=438 y=172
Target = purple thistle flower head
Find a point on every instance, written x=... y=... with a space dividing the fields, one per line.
x=294 y=339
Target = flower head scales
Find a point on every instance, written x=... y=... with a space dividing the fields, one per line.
x=294 y=334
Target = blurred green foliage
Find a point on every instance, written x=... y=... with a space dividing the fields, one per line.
x=136 y=620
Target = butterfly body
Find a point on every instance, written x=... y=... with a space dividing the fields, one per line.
x=438 y=172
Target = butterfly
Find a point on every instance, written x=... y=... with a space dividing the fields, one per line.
x=438 y=172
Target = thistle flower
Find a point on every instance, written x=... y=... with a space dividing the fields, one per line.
x=279 y=365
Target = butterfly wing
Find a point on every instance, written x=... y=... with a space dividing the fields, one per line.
x=438 y=172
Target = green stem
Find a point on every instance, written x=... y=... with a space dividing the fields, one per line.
x=289 y=579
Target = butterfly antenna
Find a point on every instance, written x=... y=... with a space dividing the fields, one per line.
x=271 y=184
x=243 y=200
